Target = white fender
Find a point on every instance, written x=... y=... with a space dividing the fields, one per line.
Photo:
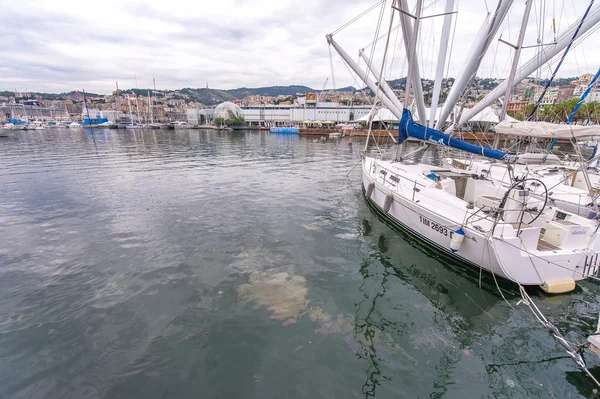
x=389 y=198
x=457 y=239
x=370 y=188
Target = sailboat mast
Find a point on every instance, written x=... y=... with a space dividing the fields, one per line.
x=86 y=108
x=515 y=62
x=412 y=54
x=360 y=72
x=408 y=34
x=464 y=80
x=137 y=106
x=439 y=72
x=117 y=106
x=150 y=107
x=129 y=106
x=536 y=61
x=152 y=102
x=384 y=84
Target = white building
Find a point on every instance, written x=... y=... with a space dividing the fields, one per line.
x=197 y=117
x=275 y=115
x=550 y=96
x=593 y=96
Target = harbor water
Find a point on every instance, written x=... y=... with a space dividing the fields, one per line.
x=191 y=263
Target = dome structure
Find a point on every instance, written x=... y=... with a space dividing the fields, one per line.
x=228 y=113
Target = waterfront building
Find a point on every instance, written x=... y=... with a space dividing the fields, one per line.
x=594 y=96
x=28 y=112
x=565 y=92
x=282 y=115
x=516 y=106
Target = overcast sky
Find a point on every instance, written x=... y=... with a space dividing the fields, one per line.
x=64 y=45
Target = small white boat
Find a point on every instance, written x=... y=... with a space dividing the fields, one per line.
x=6 y=130
x=74 y=125
x=37 y=125
x=181 y=125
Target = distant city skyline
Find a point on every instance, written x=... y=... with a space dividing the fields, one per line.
x=67 y=45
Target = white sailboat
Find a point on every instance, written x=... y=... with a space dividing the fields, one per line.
x=510 y=230
x=506 y=231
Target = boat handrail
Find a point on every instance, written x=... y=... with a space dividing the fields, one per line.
x=400 y=176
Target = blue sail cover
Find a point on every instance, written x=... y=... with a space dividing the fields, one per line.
x=409 y=128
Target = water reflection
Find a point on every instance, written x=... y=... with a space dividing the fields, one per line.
x=461 y=332
x=155 y=264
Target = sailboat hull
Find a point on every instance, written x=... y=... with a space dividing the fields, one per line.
x=421 y=210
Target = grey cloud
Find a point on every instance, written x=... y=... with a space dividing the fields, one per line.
x=57 y=49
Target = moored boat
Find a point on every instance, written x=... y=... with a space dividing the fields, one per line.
x=503 y=230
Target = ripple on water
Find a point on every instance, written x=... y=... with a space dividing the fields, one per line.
x=241 y=264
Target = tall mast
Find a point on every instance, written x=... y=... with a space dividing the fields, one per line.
x=439 y=72
x=360 y=72
x=535 y=62
x=117 y=107
x=384 y=84
x=150 y=106
x=412 y=58
x=516 y=56
x=464 y=80
x=137 y=106
x=408 y=34
x=152 y=102
x=86 y=108
x=129 y=106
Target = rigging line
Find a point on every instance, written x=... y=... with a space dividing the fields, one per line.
x=498 y=287
x=575 y=34
x=353 y=75
x=387 y=43
x=383 y=62
x=331 y=66
x=543 y=18
x=573 y=354
x=368 y=71
x=391 y=67
x=397 y=26
x=452 y=43
x=377 y=29
x=359 y=16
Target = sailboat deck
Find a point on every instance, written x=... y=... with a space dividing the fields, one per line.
x=544 y=246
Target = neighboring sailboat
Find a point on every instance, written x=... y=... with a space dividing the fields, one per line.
x=571 y=187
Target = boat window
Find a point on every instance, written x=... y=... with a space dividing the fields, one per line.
x=382 y=172
x=395 y=178
x=560 y=216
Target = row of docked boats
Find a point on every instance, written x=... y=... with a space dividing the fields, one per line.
x=37 y=125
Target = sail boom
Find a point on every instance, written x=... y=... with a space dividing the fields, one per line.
x=409 y=128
